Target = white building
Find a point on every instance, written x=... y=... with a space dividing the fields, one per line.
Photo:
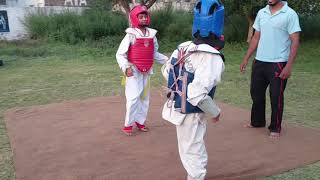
x=177 y=4
x=12 y=13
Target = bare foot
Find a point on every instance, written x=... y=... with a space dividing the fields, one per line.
x=248 y=125
x=274 y=135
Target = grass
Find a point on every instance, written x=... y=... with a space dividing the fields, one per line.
x=38 y=72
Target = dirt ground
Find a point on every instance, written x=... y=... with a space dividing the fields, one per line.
x=81 y=140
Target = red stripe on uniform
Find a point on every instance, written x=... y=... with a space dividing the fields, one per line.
x=279 y=101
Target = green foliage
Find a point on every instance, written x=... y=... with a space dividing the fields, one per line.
x=94 y=25
x=37 y=25
x=235 y=28
x=243 y=7
x=310 y=26
x=73 y=28
x=101 y=4
x=172 y=25
x=305 y=7
x=307 y=10
x=161 y=19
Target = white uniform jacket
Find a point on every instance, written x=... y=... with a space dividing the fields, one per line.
x=207 y=69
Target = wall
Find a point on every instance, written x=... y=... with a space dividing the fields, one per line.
x=24 y=3
x=67 y=2
x=18 y=9
x=178 y=4
x=15 y=17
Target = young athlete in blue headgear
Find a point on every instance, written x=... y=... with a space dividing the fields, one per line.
x=193 y=72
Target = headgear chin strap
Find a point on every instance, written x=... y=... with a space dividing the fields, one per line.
x=208 y=18
x=134 y=15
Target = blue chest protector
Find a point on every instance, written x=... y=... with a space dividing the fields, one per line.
x=179 y=79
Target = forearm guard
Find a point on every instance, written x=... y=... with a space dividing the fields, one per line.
x=208 y=106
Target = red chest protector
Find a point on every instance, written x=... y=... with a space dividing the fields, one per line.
x=141 y=54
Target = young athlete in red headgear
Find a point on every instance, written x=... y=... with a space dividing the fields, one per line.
x=135 y=57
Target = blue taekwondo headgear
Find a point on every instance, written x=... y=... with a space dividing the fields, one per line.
x=208 y=17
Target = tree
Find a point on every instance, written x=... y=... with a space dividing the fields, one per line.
x=250 y=8
x=104 y=5
x=125 y=4
x=305 y=7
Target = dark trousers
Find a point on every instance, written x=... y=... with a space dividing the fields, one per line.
x=266 y=74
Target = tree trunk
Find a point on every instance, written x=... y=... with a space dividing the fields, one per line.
x=136 y=2
x=125 y=5
x=149 y=3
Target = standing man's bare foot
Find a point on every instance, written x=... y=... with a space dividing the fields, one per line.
x=248 y=125
x=274 y=135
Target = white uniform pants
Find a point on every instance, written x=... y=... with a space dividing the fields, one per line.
x=137 y=93
x=191 y=145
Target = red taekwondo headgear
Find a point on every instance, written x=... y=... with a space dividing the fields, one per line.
x=134 y=15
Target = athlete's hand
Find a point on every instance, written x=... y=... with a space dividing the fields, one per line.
x=129 y=72
x=216 y=119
